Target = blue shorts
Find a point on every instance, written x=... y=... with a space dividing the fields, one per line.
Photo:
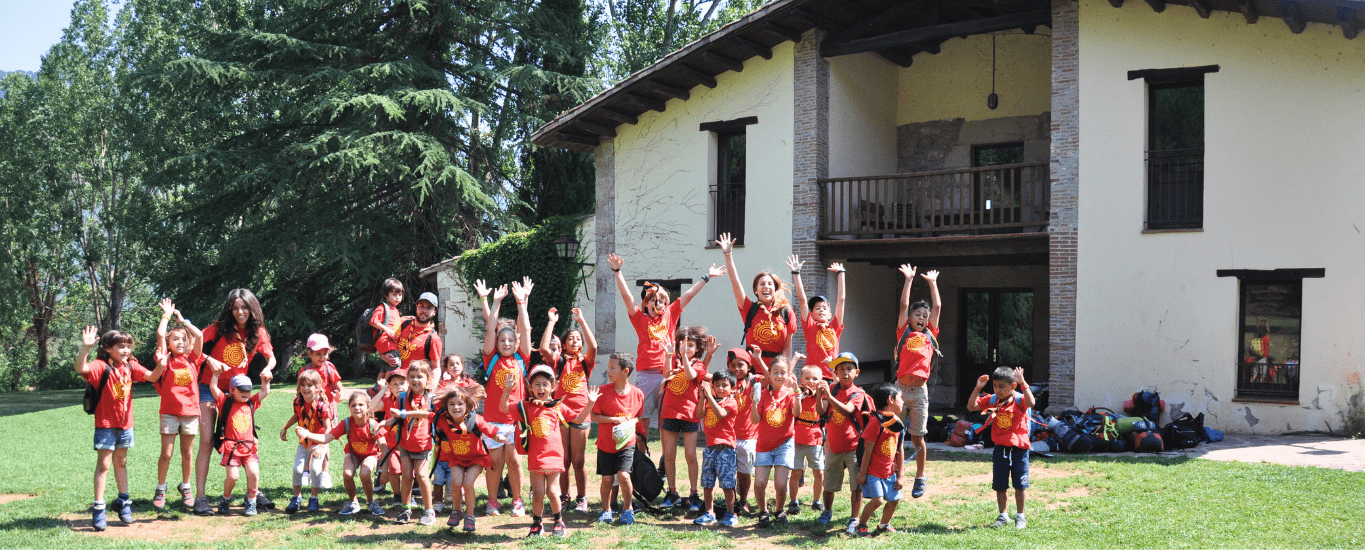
x=784 y=455
x=1009 y=463
x=108 y=439
x=718 y=463
x=205 y=394
x=884 y=489
x=441 y=476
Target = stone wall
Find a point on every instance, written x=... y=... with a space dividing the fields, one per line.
x=1062 y=223
x=947 y=144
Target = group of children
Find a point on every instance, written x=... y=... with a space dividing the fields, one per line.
x=768 y=416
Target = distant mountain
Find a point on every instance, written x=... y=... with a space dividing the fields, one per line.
x=30 y=74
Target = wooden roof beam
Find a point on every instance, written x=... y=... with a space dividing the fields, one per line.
x=895 y=13
x=575 y=138
x=816 y=21
x=1157 y=5
x=596 y=128
x=701 y=77
x=1349 y=28
x=617 y=116
x=1003 y=5
x=1289 y=12
x=647 y=103
x=752 y=47
x=1248 y=11
x=780 y=31
x=898 y=57
x=1201 y=7
x=722 y=61
x=667 y=90
x=937 y=33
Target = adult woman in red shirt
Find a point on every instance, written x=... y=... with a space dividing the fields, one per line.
x=774 y=323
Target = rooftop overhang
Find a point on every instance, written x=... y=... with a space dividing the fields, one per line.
x=1347 y=14
x=898 y=30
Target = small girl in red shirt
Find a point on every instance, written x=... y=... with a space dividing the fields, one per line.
x=177 y=361
x=573 y=364
x=775 y=416
x=363 y=437
x=680 y=415
x=115 y=365
x=542 y=416
x=453 y=374
x=460 y=430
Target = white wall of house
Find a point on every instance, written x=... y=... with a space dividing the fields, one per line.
x=664 y=166
x=862 y=115
x=1283 y=135
x=955 y=82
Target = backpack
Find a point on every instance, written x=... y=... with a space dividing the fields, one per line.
x=1071 y=439
x=1127 y=423
x=785 y=312
x=1184 y=432
x=91 y=401
x=1101 y=424
x=220 y=424
x=523 y=432
x=404 y=401
x=366 y=335
x=940 y=428
x=1147 y=404
x=1147 y=441
x=644 y=478
x=960 y=434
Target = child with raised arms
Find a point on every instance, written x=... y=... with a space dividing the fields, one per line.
x=616 y=408
x=177 y=358
x=821 y=325
x=1009 y=418
x=505 y=350
x=112 y=374
x=849 y=408
x=775 y=414
x=810 y=439
x=573 y=363
x=719 y=458
x=363 y=438
x=679 y=413
x=462 y=430
x=312 y=412
x=916 y=346
x=883 y=461
x=236 y=427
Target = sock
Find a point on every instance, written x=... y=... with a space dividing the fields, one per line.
x=99 y=505
x=883 y=526
x=1019 y=515
x=535 y=520
x=124 y=497
x=559 y=516
x=161 y=487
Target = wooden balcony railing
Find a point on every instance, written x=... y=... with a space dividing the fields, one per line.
x=1011 y=198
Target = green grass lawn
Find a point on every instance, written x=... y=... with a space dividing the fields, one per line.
x=1084 y=502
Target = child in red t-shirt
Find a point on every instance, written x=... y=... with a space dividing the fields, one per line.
x=718 y=461
x=573 y=363
x=237 y=413
x=810 y=439
x=679 y=413
x=739 y=362
x=411 y=420
x=775 y=414
x=883 y=460
x=1009 y=412
x=505 y=350
x=113 y=414
x=363 y=436
x=390 y=466
x=821 y=325
x=917 y=344
x=543 y=416
x=385 y=321
x=616 y=408
x=461 y=431
x=849 y=409
x=177 y=361
x=319 y=349
x=453 y=374
x=314 y=413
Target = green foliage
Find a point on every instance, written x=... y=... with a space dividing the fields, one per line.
x=646 y=30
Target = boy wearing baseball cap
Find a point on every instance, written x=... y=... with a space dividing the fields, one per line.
x=234 y=435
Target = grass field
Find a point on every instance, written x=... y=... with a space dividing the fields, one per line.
x=1075 y=502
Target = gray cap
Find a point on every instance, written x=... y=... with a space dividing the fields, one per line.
x=240 y=382
x=429 y=297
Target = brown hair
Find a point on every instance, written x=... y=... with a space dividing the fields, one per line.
x=310 y=377
x=698 y=337
x=255 y=320
x=779 y=289
x=470 y=395
x=357 y=395
x=419 y=365
x=110 y=339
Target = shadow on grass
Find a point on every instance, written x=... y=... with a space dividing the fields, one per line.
x=1063 y=458
x=33 y=523
x=21 y=402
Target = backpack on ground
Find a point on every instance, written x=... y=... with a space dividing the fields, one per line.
x=1071 y=439
x=1126 y=424
x=644 y=478
x=91 y=401
x=1211 y=435
x=1147 y=404
x=1184 y=432
x=1102 y=425
x=1147 y=441
x=961 y=434
x=940 y=428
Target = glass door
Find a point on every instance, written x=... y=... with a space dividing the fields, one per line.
x=997 y=330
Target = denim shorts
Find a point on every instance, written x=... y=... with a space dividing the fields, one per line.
x=784 y=455
x=205 y=394
x=441 y=476
x=884 y=489
x=718 y=464
x=1009 y=463
x=507 y=431
x=108 y=439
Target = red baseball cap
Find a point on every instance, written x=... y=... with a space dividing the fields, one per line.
x=741 y=353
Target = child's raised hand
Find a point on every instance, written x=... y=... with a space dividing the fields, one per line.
x=981 y=382
x=166 y=307
x=715 y=271
x=1019 y=376
x=712 y=344
x=931 y=275
x=482 y=288
x=593 y=394
x=500 y=293
x=578 y=316
x=726 y=243
x=553 y=314
x=908 y=270
x=835 y=267
x=795 y=263
x=89 y=337
x=797 y=357
x=615 y=262
x=526 y=286
x=706 y=388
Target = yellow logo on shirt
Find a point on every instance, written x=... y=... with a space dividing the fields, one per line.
x=826 y=339
x=183 y=377
x=360 y=447
x=837 y=417
x=403 y=351
x=459 y=448
x=916 y=342
x=658 y=330
x=767 y=332
x=573 y=381
x=710 y=419
x=677 y=384
x=888 y=447
x=776 y=417
x=241 y=421
x=505 y=376
x=542 y=425
x=234 y=354
x=1004 y=420
x=808 y=415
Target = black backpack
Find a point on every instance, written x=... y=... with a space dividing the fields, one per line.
x=91 y=401
x=366 y=335
x=220 y=424
x=1183 y=432
x=645 y=478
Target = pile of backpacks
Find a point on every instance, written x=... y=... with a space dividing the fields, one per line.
x=1097 y=430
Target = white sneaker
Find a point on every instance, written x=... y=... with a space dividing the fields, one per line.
x=1000 y=521
x=439 y=507
x=428 y=517
x=518 y=508
x=325 y=480
x=1019 y=521
x=852 y=527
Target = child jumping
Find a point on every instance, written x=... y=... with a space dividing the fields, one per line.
x=916 y=346
x=505 y=351
x=314 y=413
x=883 y=461
x=821 y=325
x=112 y=373
x=177 y=356
x=236 y=427
x=719 y=459
x=463 y=430
x=363 y=437
x=1009 y=412
x=573 y=364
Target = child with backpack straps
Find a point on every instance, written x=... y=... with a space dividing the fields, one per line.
x=111 y=374
x=882 y=467
x=821 y=325
x=916 y=348
x=1009 y=420
x=810 y=439
x=411 y=420
x=849 y=409
x=462 y=430
x=573 y=361
x=768 y=323
x=315 y=413
x=540 y=418
x=384 y=320
x=319 y=349
x=177 y=359
x=505 y=351
x=234 y=435
x=363 y=437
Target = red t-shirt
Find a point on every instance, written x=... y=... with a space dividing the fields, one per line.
x=360 y=441
x=746 y=394
x=416 y=431
x=231 y=351
x=1010 y=427
x=808 y=424
x=776 y=423
x=315 y=417
x=505 y=374
x=388 y=401
x=572 y=388
x=681 y=396
x=842 y=431
x=448 y=383
x=115 y=409
x=386 y=315
x=178 y=389
x=331 y=380
x=822 y=343
x=241 y=425
x=885 y=444
x=462 y=448
x=546 y=449
x=611 y=403
x=656 y=335
x=721 y=431
x=916 y=354
x=416 y=342
x=771 y=330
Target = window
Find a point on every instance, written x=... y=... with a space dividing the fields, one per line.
x=728 y=188
x=1175 y=146
x=1269 y=331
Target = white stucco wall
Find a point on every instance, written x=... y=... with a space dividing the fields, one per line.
x=663 y=168
x=1284 y=130
x=955 y=82
x=862 y=115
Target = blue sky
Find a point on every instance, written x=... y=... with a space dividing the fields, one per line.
x=28 y=28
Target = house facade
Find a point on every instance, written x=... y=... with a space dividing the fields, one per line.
x=1119 y=195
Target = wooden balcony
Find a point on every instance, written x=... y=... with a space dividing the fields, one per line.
x=994 y=200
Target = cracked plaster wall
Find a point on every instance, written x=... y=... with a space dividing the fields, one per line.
x=1282 y=190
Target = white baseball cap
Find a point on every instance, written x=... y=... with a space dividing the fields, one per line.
x=429 y=297
x=317 y=342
